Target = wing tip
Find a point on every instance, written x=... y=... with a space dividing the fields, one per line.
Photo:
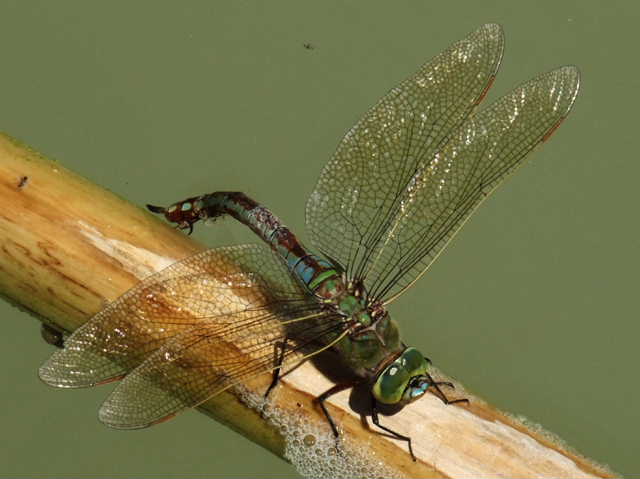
x=572 y=72
x=492 y=28
x=113 y=414
x=64 y=370
x=117 y=417
x=488 y=32
x=571 y=76
x=51 y=376
x=495 y=33
x=52 y=373
x=47 y=376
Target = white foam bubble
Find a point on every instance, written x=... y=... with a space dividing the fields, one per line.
x=313 y=449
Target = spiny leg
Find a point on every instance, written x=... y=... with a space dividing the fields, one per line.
x=441 y=395
x=376 y=420
x=278 y=358
x=323 y=397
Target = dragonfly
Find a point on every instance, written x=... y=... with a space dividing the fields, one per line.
x=400 y=185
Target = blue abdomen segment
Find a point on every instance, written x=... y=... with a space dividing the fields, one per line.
x=307 y=271
x=310 y=269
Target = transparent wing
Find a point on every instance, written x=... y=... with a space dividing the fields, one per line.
x=442 y=194
x=356 y=200
x=203 y=362
x=216 y=286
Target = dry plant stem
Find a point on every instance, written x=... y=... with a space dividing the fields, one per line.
x=67 y=246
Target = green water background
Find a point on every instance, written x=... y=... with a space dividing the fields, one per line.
x=533 y=306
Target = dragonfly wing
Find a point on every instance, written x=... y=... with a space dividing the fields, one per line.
x=443 y=194
x=203 y=362
x=204 y=288
x=356 y=197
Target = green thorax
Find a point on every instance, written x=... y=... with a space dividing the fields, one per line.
x=375 y=338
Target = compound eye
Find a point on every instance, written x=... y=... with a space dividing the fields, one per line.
x=392 y=384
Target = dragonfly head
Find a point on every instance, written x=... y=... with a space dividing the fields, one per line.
x=184 y=213
x=404 y=380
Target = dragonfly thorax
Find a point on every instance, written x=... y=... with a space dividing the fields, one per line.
x=372 y=337
x=349 y=299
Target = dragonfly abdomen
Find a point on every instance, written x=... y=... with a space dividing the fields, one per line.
x=311 y=270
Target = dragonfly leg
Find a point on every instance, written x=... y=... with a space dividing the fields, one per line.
x=441 y=395
x=278 y=358
x=376 y=420
x=52 y=335
x=444 y=383
x=326 y=395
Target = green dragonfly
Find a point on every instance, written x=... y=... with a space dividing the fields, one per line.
x=402 y=182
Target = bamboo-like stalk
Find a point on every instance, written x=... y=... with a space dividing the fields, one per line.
x=67 y=246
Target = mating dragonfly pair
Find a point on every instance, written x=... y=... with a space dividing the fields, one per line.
x=402 y=182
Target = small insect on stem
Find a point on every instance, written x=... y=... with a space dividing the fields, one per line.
x=52 y=335
x=23 y=182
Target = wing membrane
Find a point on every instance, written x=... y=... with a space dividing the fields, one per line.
x=218 y=286
x=481 y=153
x=203 y=362
x=356 y=199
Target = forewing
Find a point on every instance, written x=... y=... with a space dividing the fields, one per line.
x=357 y=196
x=210 y=287
x=203 y=362
x=443 y=194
